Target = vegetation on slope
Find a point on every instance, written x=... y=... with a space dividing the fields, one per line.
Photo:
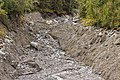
x=58 y=6
x=105 y=13
x=18 y=7
x=15 y=7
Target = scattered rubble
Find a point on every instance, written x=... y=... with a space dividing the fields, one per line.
x=42 y=56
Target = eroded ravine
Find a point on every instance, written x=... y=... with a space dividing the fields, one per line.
x=46 y=61
x=35 y=51
x=96 y=47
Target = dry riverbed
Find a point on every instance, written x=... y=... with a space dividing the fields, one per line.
x=31 y=52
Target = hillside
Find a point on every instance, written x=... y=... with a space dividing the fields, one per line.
x=30 y=52
x=59 y=39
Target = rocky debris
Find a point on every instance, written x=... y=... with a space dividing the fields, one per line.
x=94 y=46
x=34 y=18
x=51 y=63
x=34 y=44
x=37 y=55
x=2 y=52
x=49 y=21
x=117 y=42
x=2 y=48
x=28 y=67
x=1 y=44
x=8 y=60
x=8 y=39
x=75 y=20
x=100 y=34
x=61 y=19
x=31 y=23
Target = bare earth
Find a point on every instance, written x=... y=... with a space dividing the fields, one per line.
x=35 y=52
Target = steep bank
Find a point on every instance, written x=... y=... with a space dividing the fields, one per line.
x=31 y=52
x=97 y=48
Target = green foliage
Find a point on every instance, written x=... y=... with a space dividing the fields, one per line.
x=2 y=12
x=17 y=7
x=57 y=6
x=104 y=12
x=12 y=10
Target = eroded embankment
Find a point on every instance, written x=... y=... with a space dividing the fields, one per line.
x=31 y=52
x=97 y=48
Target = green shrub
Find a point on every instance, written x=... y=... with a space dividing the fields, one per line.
x=11 y=10
x=104 y=12
x=18 y=7
x=2 y=11
x=57 y=6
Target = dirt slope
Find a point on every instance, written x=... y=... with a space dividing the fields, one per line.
x=97 y=48
x=31 y=52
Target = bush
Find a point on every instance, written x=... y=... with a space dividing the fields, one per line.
x=2 y=11
x=11 y=10
x=57 y=6
x=17 y=7
x=103 y=12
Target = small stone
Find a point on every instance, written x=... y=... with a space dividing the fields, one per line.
x=66 y=20
x=7 y=41
x=62 y=52
x=30 y=29
x=75 y=20
x=100 y=34
x=117 y=42
x=31 y=23
x=74 y=23
x=27 y=46
x=34 y=44
x=2 y=52
x=55 y=20
x=67 y=16
x=49 y=21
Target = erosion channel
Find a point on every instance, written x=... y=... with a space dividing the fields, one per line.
x=59 y=48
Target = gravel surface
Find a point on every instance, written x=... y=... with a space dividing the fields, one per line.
x=46 y=61
x=32 y=53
